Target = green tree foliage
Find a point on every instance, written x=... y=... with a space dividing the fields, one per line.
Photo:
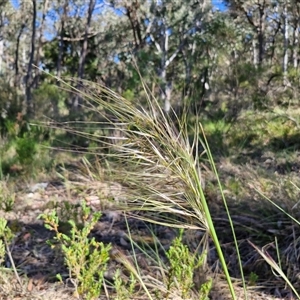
x=186 y=51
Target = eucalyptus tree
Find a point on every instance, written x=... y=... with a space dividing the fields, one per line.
x=69 y=49
x=256 y=14
x=275 y=25
x=3 y=24
x=163 y=39
x=84 y=49
x=274 y=33
x=23 y=39
x=13 y=22
x=294 y=12
x=82 y=25
x=40 y=40
x=60 y=35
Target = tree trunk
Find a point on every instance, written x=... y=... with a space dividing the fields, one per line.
x=255 y=56
x=84 y=51
x=296 y=43
x=39 y=48
x=16 y=79
x=61 y=40
x=285 y=45
x=28 y=78
x=260 y=35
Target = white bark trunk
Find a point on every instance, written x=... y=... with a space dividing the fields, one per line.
x=1 y=56
x=285 y=45
x=255 y=53
x=296 y=45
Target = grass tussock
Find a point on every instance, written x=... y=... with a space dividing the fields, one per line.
x=153 y=156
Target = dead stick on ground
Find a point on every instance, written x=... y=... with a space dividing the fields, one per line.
x=13 y=263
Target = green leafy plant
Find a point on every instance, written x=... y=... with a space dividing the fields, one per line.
x=182 y=267
x=7 y=196
x=49 y=101
x=10 y=107
x=253 y=277
x=6 y=236
x=68 y=211
x=124 y=291
x=85 y=258
x=26 y=149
